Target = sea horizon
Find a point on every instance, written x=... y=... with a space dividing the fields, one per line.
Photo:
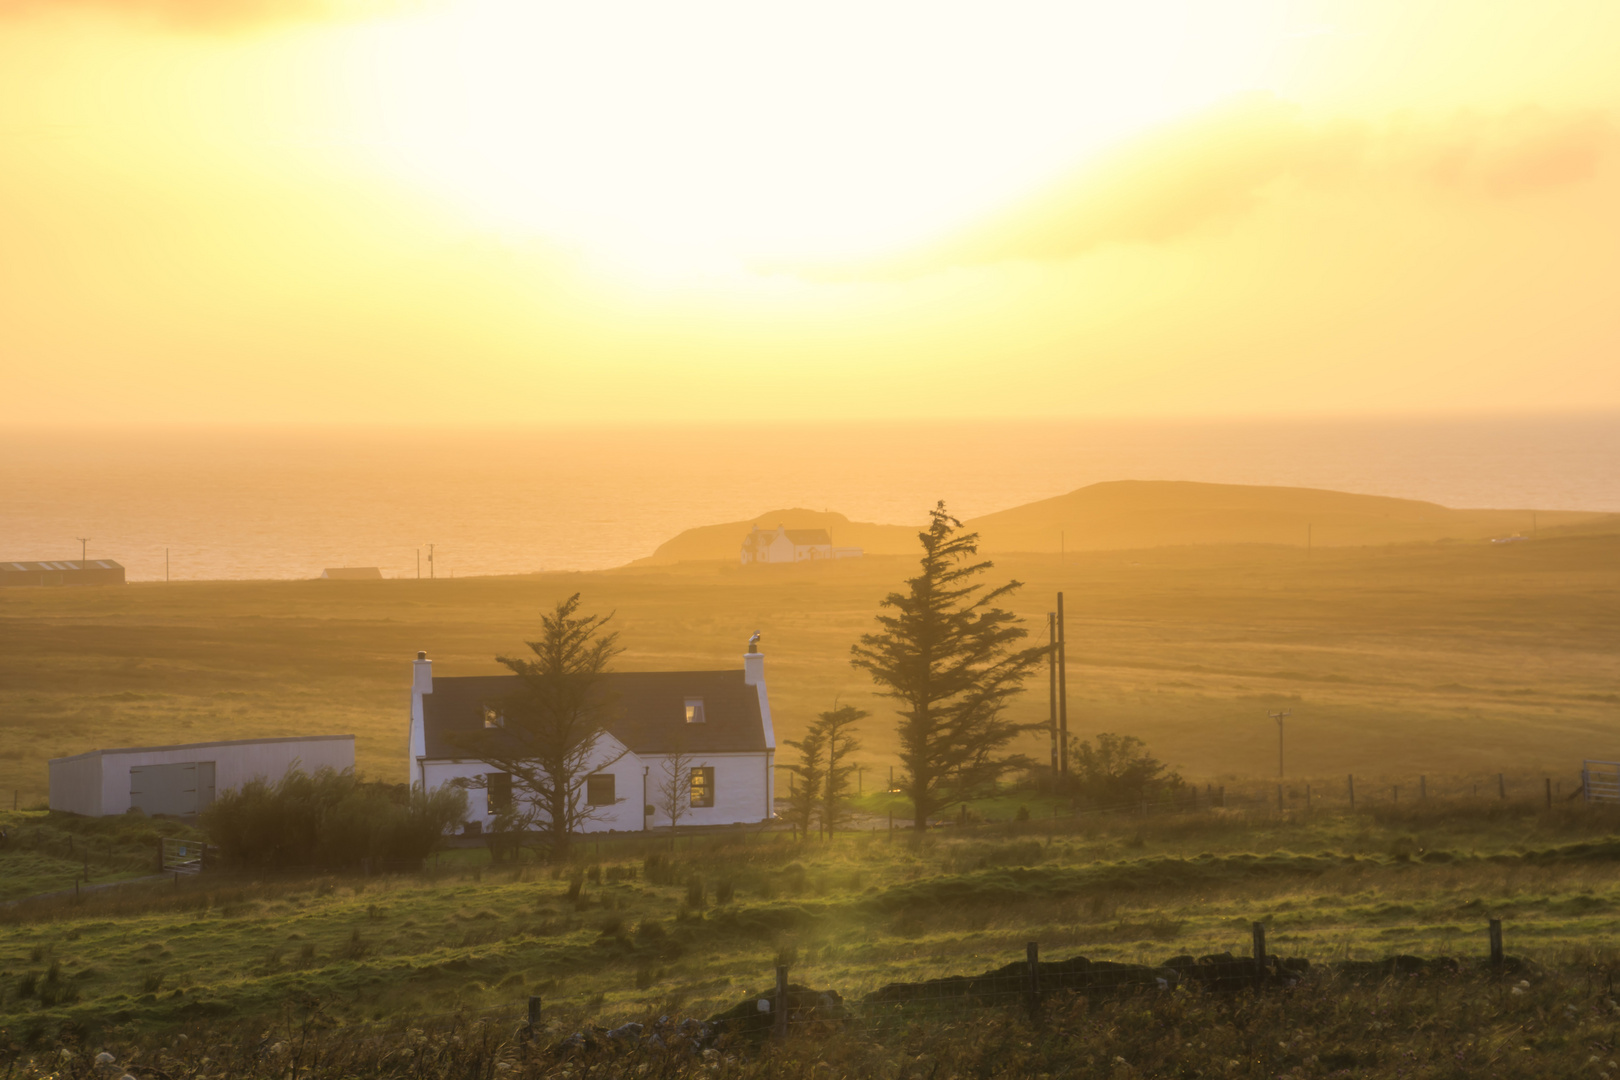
x=287 y=502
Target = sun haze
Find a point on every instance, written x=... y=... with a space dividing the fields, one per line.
x=494 y=210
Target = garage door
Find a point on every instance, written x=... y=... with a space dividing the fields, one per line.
x=181 y=789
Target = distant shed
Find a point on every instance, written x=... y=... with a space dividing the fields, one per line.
x=351 y=573
x=183 y=779
x=62 y=572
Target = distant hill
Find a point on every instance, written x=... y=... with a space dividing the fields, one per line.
x=1159 y=513
x=1135 y=513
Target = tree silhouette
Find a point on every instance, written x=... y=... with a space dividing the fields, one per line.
x=949 y=657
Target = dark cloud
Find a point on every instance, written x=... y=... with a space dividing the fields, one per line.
x=203 y=15
x=1218 y=168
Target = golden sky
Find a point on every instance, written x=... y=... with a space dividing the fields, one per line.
x=513 y=211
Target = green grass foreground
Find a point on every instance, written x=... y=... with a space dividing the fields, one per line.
x=222 y=958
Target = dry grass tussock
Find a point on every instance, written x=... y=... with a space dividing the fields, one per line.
x=1543 y=1024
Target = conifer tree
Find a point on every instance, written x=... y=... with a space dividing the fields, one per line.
x=950 y=659
x=808 y=775
x=836 y=727
x=545 y=736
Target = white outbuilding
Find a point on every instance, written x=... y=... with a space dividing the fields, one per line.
x=715 y=726
x=183 y=779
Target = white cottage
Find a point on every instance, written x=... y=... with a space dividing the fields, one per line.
x=721 y=719
x=792 y=545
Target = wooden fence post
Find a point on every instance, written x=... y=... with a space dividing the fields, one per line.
x=534 y=1017
x=781 y=1003
x=1497 y=955
x=1032 y=954
x=1259 y=948
x=1352 y=781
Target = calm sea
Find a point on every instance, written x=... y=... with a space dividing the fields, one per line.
x=286 y=503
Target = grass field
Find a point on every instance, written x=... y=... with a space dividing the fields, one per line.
x=1461 y=659
x=1453 y=662
x=854 y=914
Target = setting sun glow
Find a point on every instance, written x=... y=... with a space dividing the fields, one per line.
x=703 y=136
x=609 y=210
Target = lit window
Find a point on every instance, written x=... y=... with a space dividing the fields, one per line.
x=499 y=786
x=493 y=717
x=703 y=786
x=694 y=710
x=599 y=790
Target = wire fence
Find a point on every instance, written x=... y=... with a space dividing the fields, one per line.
x=1026 y=987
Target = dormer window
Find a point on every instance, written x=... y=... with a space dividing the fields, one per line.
x=493 y=717
x=694 y=710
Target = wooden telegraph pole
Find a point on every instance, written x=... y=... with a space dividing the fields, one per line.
x=1063 y=693
x=1051 y=694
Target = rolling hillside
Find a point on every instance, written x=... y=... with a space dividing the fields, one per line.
x=1161 y=513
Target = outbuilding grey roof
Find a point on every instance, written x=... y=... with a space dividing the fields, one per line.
x=644 y=710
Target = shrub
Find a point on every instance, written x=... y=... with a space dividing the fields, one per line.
x=329 y=819
x=1119 y=771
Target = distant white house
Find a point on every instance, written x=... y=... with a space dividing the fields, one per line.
x=720 y=719
x=792 y=545
x=183 y=779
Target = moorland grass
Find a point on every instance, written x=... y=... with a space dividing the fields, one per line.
x=856 y=913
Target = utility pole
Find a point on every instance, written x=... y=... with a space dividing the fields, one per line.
x=1051 y=690
x=430 y=562
x=1280 y=717
x=1063 y=693
x=84 y=545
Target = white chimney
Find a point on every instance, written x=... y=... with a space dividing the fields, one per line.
x=422 y=675
x=754 y=663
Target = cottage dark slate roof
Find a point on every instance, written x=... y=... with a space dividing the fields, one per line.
x=647 y=712
x=808 y=536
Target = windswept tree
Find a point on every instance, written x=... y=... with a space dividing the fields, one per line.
x=808 y=775
x=547 y=736
x=837 y=730
x=951 y=660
